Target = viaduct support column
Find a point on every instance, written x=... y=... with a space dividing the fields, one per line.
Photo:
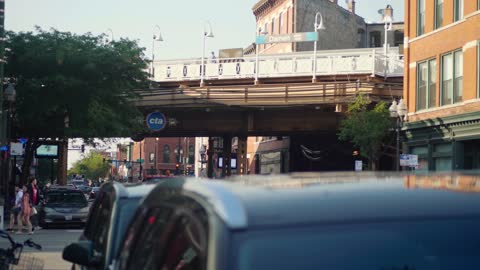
x=242 y=164
x=210 y=152
x=227 y=156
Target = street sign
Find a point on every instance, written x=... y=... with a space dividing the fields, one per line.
x=140 y=160
x=407 y=160
x=403 y=160
x=156 y=121
x=358 y=165
x=16 y=149
x=287 y=38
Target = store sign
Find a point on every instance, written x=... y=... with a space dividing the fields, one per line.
x=287 y=38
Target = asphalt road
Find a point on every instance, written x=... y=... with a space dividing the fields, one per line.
x=52 y=242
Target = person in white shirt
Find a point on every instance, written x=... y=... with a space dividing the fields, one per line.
x=16 y=207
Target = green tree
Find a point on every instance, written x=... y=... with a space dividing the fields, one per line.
x=72 y=85
x=92 y=166
x=367 y=128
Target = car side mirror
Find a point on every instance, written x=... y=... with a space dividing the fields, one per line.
x=80 y=253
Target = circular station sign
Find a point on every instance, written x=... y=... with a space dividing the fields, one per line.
x=156 y=121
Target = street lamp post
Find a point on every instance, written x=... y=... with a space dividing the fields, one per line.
x=257 y=48
x=112 y=38
x=317 y=26
x=398 y=111
x=156 y=154
x=155 y=38
x=388 y=27
x=206 y=34
x=9 y=97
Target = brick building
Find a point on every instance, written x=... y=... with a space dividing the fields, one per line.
x=442 y=83
x=344 y=29
x=162 y=154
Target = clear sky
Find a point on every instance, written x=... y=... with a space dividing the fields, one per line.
x=181 y=21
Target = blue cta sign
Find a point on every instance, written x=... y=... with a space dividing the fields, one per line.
x=156 y=121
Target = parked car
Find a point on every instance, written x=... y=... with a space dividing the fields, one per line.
x=93 y=192
x=111 y=213
x=302 y=224
x=63 y=205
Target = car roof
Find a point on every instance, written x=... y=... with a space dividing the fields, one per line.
x=63 y=188
x=124 y=191
x=277 y=200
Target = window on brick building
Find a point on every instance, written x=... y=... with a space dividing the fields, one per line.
x=398 y=35
x=166 y=153
x=375 y=39
x=458 y=10
x=421 y=17
x=151 y=157
x=426 y=84
x=438 y=13
x=361 y=38
x=280 y=22
x=452 y=78
x=273 y=26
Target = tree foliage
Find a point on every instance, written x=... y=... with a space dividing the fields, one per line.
x=60 y=74
x=72 y=85
x=366 y=127
x=92 y=166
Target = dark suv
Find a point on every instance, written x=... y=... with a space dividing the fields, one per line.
x=111 y=212
x=367 y=223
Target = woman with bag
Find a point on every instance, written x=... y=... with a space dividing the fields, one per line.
x=25 y=213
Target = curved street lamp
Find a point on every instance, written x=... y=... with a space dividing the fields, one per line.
x=398 y=111
x=318 y=26
x=261 y=33
x=155 y=38
x=111 y=36
x=206 y=34
x=388 y=20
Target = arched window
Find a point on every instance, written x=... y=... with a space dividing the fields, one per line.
x=191 y=154
x=375 y=39
x=398 y=38
x=166 y=153
x=361 y=38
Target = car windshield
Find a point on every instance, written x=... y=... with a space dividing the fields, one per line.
x=62 y=197
x=127 y=210
x=425 y=245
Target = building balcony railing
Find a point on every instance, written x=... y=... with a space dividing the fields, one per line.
x=332 y=62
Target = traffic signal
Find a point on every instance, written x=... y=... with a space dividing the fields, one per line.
x=83 y=148
x=177 y=166
x=104 y=159
x=125 y=161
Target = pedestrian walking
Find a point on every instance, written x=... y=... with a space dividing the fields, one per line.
x=16 y=209
x=34 y=193
x=26 y=211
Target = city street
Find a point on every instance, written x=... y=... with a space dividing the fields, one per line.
x=52 y=242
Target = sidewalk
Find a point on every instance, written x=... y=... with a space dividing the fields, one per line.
x=51 y=260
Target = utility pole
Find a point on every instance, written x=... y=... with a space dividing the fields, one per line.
x=3 y=116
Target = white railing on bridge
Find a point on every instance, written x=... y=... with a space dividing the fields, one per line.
x=332 y=62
